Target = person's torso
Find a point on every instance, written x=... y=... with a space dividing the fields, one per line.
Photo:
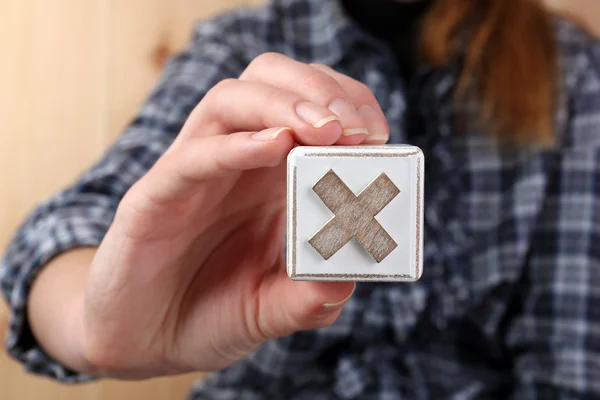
x=445 y=335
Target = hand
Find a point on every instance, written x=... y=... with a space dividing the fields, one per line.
x=191 y=275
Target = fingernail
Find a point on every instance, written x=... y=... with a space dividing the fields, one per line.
x=377 y=139
x=327 y=307
x=355 y=131
x=314 y=115
x=352 y=122
x=378 y=130
x=327 y=120
x=269 y=134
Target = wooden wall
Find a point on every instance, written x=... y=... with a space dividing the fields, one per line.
x=72 y=73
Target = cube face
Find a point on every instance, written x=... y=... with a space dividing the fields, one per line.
x=355 y=213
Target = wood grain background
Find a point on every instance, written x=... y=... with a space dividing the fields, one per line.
x=72 y=73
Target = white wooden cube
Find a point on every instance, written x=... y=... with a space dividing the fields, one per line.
x=355 y=213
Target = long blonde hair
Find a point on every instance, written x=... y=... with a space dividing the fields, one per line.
x=510 y=59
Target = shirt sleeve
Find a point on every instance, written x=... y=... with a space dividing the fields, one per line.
x=81 y=214
x=556 y=338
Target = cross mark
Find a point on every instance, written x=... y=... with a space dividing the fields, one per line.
x=354 y=216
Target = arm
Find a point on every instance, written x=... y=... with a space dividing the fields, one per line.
x=55 y=305
x=44 y=268
x=190 y=275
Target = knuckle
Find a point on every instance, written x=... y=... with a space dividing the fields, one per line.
x=358 y=89
x=229 y=141
x=365 y=92
x=222 y=86
x=264 y=60
x=218 y=92
x=221 y=161
x=324 y=87
x=279 y=97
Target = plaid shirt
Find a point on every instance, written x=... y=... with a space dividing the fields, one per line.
x=509 y=303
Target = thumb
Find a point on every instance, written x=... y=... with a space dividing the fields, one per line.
x=289 y=306
x=190 y=162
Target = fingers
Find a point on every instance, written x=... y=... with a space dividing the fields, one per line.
x=283 y=72
x=367 y=105
x=234 y=105
x=351 y=100
x=188 y=163
x=289 y=306
x=321 y=106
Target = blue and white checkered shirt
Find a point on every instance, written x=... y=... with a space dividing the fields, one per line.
x=509 y=303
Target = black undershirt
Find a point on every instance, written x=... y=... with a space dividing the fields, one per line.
x=394 y=22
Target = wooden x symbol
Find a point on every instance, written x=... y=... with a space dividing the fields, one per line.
x=354 y=216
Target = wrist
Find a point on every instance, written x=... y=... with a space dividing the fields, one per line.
x=55 y=309
x=84 y=360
